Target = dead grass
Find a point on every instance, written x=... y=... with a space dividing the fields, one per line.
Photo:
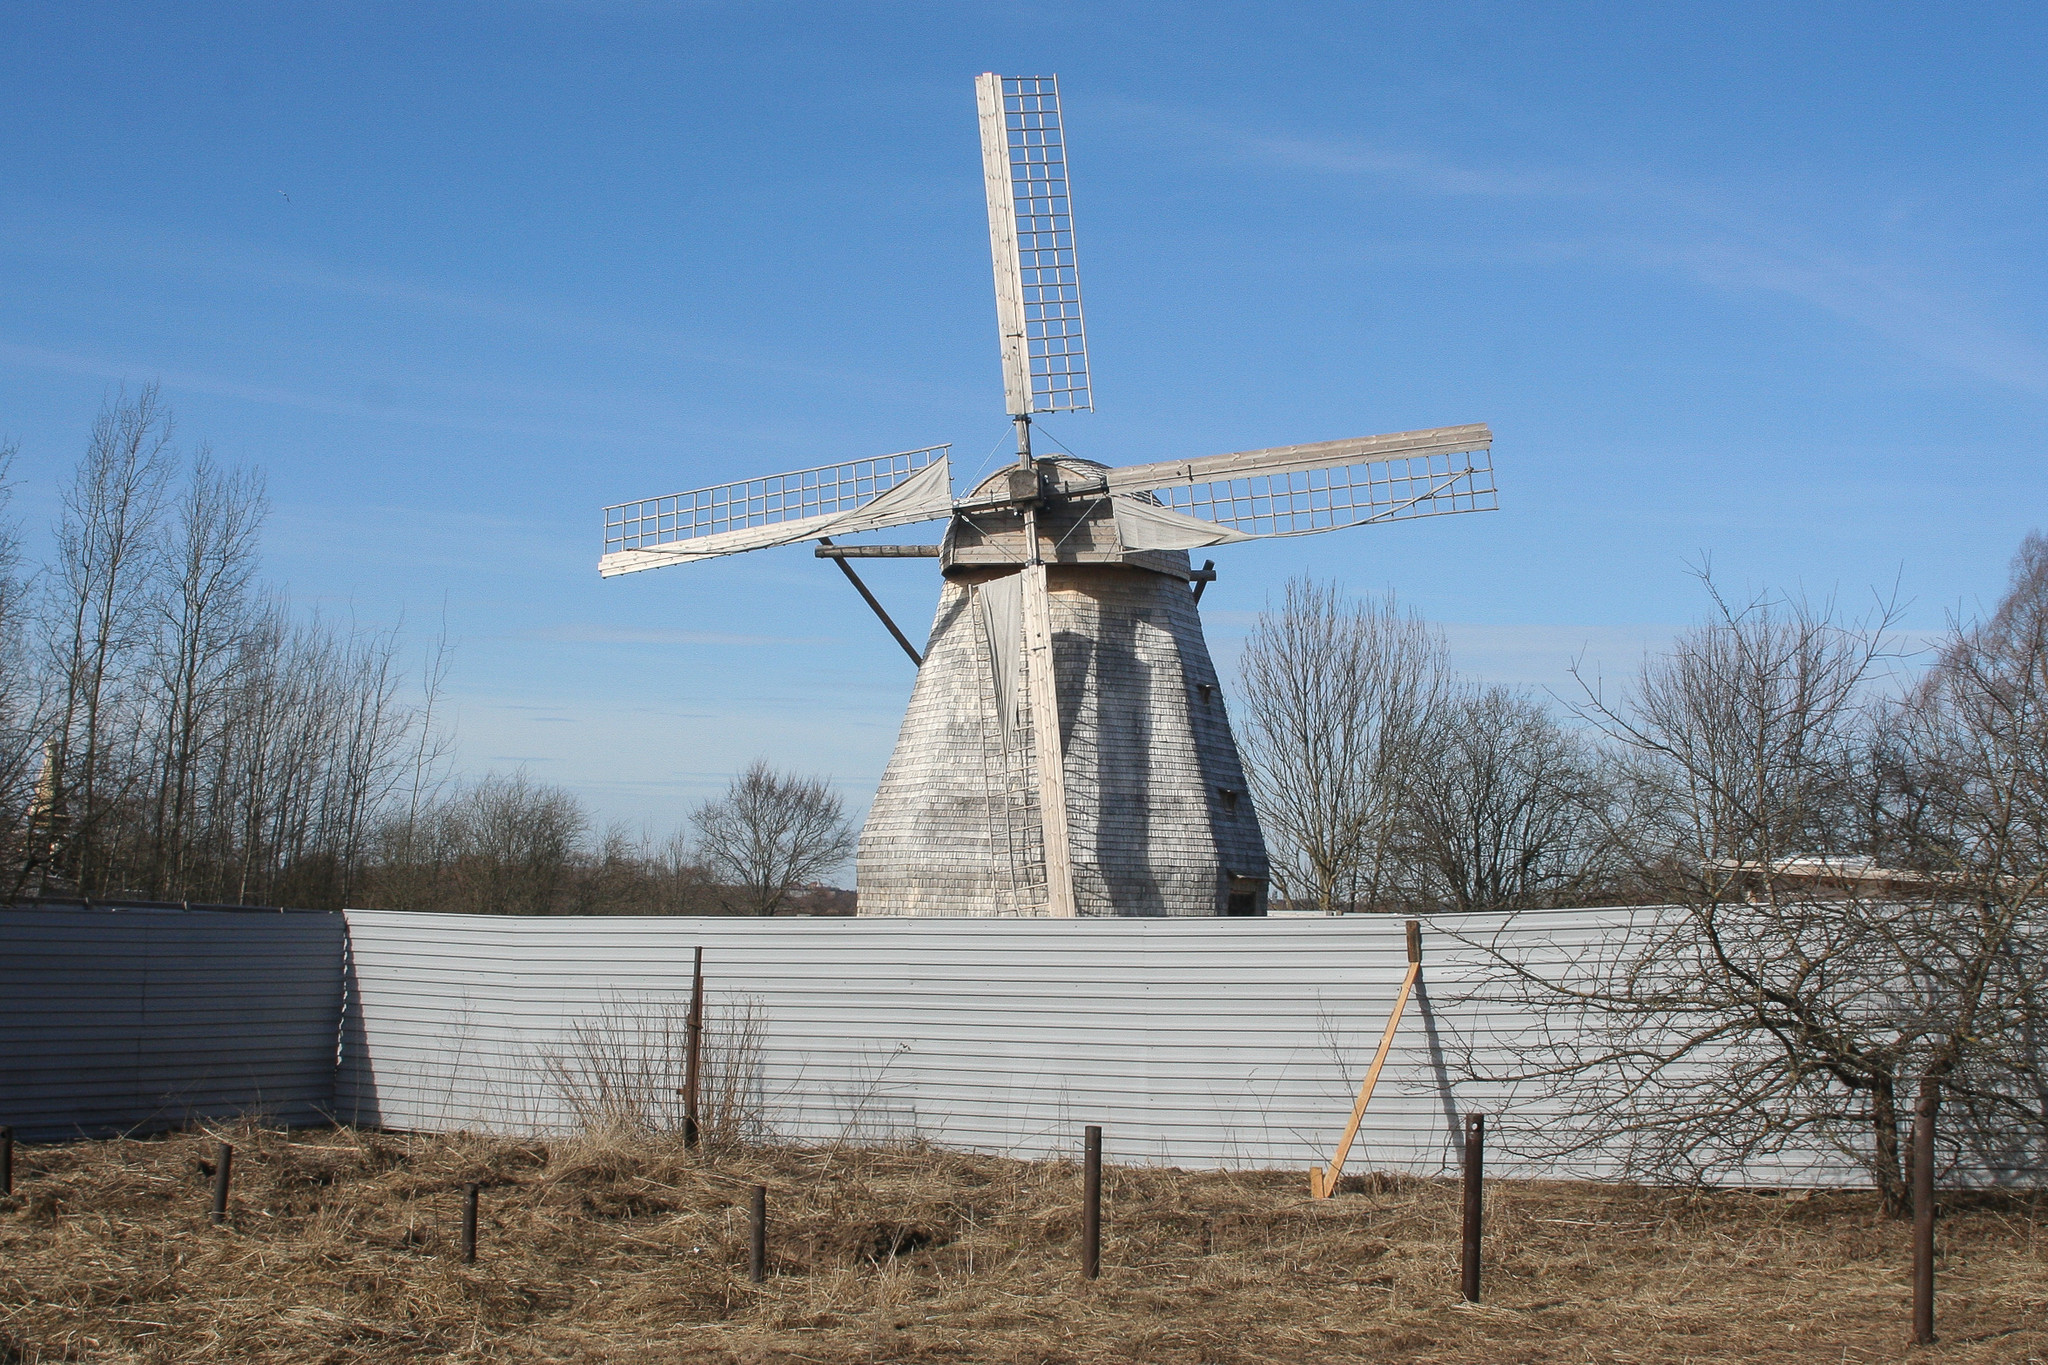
x=342 y=1248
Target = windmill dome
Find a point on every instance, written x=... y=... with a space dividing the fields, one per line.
x=1071 y=530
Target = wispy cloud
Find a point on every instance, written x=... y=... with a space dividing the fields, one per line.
x=139 y=371
x=157 y=252
x=644 y=635
x=1719 y=237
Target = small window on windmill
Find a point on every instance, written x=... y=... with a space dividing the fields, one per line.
x=1207 y=691
x=1228 y=796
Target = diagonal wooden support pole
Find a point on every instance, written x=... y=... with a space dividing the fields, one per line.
x=875 y=604
x=1322 y=1181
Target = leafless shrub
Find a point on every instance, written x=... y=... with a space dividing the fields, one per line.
x=622 y=1071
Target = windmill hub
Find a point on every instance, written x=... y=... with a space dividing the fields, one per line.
x=992 y=526
x=1066 y=750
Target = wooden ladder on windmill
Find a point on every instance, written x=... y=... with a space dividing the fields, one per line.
x=1322 y=1180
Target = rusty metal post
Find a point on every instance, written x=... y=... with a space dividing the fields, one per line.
x=693 y=1053
x=1091 y=1202
x=469 y=1193
x=1475 y=1175
x=223 y=1162
x=6 y=1161
x=757 y=1269
x=1923 y=1212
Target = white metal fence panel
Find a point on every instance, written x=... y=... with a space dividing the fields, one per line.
x=1226 y=1042
x=115 y=1020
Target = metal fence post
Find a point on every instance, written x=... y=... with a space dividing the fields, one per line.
x=223 y=1162
x=757 y=1270
x=1091 y=1202
x=6 y=1161
x=1475 y=1175
x=469 y=1193
x=693 y=1054
x=1923 y=1212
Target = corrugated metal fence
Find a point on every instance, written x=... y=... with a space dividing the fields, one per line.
x=140 y=1020
x=1225 y=1042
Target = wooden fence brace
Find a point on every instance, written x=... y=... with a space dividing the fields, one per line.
x=1091 y=1202
x=1927 y=1102
x=1475 y=1175
x=6 y=1160
x=223 y=1162
x=757 y=1266
x=1322 y=1182
x=693 y=1054
x=469 y=1193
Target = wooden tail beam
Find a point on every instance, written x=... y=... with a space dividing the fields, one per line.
x=1322 y=1181
x=839 y=558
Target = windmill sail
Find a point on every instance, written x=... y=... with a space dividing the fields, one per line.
x=1300 y=490
x=1143 y=525
x=1031 y=240
x=781 y=509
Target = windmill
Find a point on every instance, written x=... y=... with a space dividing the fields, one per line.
x=1065 y=750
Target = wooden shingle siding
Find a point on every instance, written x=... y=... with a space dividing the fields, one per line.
x=1157 y=816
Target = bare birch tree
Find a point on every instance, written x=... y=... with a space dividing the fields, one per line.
x=1336 y=700
x=22 y=712
x=203 y=609
x=96 y=622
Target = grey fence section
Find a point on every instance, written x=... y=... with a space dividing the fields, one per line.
x=1227 y=1042
x=116 y=1021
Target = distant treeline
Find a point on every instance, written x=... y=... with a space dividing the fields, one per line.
x=173 y=728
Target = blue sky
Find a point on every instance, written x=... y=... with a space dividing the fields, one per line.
x=1759 y=284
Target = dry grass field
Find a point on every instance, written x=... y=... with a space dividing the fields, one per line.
x=342 y=1247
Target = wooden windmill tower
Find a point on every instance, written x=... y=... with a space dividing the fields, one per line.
x=1066 y=749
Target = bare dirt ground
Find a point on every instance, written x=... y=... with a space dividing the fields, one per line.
x=342 y=1247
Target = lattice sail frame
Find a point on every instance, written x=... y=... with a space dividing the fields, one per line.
x=1303 y=502
x=675 y=519
x=1031 y=236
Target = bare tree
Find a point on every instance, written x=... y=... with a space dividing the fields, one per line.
x=519 y=841
x=1792 y=996
x=628 y=875
x=22 y=711
x=96 y=620
x=1970 y=806
x=1337 y=699
x=770 y=833
x=202 y=611
x=1508 y=810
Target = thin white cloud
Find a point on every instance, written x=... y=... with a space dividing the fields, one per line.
x=1718 y=238
x=139 y=372
x=644 y=635
x=157 y=251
